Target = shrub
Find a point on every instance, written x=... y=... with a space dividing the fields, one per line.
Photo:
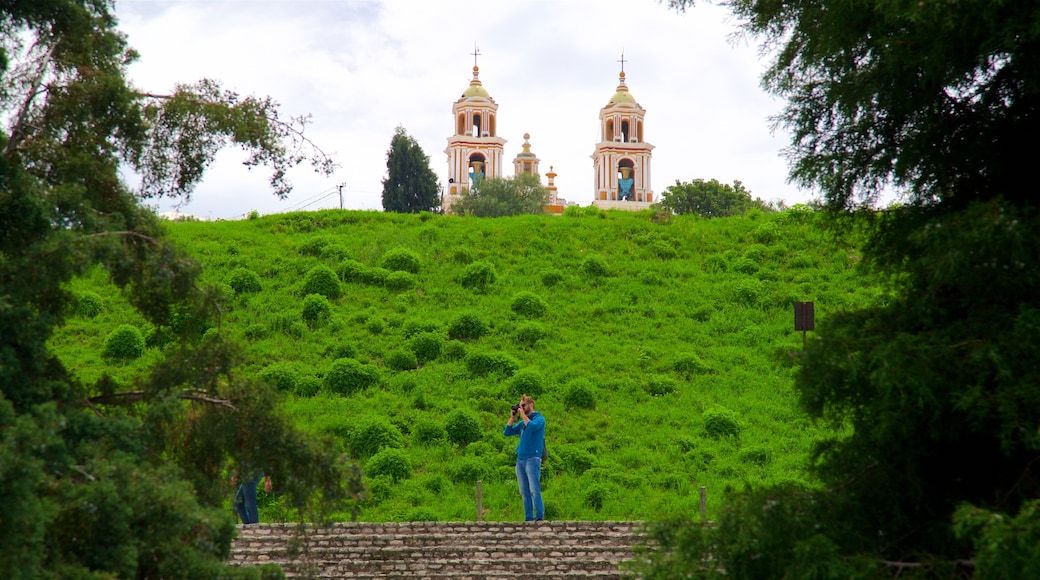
x=342 y=350
x=282 y=376
x=372 y=435
x=389 y=463
x=296 y=330
x=316 y=310
x=574 y=459
x=352 y=271
x=401 y=260
x=715 y=265
x=689 y=364
x=720 y=422
x=530 y=333
x=321 y=280
x=308 y=386
x=664 y=250
x=428 y=432
x=462 y=427
x=244 y=281
x=314 y=246
x=375 y=326
x=421 y=514
x=402 y=360
x=529 y=304
x=551 y=278
x=454 y=351
x=347 y=376
x=468 y=470
x=414 y=327
x=462 y=255
x=89 y=305
x=745 y=266
x=658 y=386
x=748 y=292
x=125 y=342
x=594 y=266
x=478 y=276
x=527 y=381
x=594 y=498
x=579 y=394
x=255 y=331
x=399 y=281
x=483 y=363
x=333 y=252
x=766 y=233
x=758 y=456
x=426 y=346
x=467 y=327
x=374 y=276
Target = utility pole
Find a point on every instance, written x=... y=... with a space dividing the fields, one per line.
x=340 y=189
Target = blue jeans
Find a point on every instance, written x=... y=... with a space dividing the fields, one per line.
x=528 y=476
x=245 y=502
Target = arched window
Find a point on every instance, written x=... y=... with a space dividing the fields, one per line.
x=609 y=130
x=624 y=131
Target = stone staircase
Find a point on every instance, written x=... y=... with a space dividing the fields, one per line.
x=485 y=550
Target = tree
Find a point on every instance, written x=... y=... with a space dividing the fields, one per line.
x=939 y=474
x=710 y=199
x=498 y=197
x=110 y=479
x=410 y=185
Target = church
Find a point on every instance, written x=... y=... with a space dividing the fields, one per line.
x=620 y=160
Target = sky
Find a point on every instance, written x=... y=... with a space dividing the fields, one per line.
x=361 y=68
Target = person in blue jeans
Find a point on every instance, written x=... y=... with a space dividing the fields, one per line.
x=531 y=429
x=245 y=499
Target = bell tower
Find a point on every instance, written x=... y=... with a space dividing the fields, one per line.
x=622 y=158
x=475 y=150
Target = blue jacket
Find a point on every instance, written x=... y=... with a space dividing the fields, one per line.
x=532 y=436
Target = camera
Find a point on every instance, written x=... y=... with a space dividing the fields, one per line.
x=515 y=408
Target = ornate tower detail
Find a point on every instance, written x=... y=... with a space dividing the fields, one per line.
x=525 y=161
x=622 y=158
x=475 y=150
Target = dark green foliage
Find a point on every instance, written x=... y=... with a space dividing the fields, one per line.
x=664 y=250
x=426 y=346
x=744 y=266
x=689 y=364
x=428 y=432
x=579 y=394
x=756 y=456
x=462 y=427
x=416 y=327
x=658 y=385
x=594 y=498
x=497 y=197
x=420 y=514
x=551 y=278
x=372 y=435
x=720 y=422
x=347 y=376
x=244 y=281
x=125 y=342
x=375 y=326
x=594 y=266
x=341 y=350
x=401 y=260
x=468 y=470
x=478 y=276
x=307 y=386
x=710 y=199
x=402 y=360
x=482 y=363
x=282 y=376
x=314 y=246
x=410 y=186
x=747 y=292
x=390 y=463
x=529 y=304
x=352 y=271
x=321 y=280
x=467 y=327
x=89 y=304
x=454 y=351
x=400 y=281
x=529 y=333
x=573 y=458
x=316 y=310
x=527 y=381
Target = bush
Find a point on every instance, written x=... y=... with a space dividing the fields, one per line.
x=467 y=327
x=426 y=346
x=316 y=310
x=658 y=386
x=244 y=281
x=352 y=271
x=125 y=342
x=462 y=255
x=402 y=360
x=594 y=498
x=462 y=428
x=689 y=364
x=594 y=266
x=579 y=394
x=574 y=459
x=389 y=463
x=347 y=376
x=314 y=246
x=530 y=333
x=529 y=304
x=372 y=435
x=484 y=363
x=255 y=331
x=421 y=514
x=400 y=281
x=308 y=386
x=720 y=422
x=401 y=260
x=527 y=381
x=89 y=305
x=342 y=350
x=282 y=376
x=748 y=292
x=745 y=266
x=428 y=432
x=478 y=276
x=664 y=250
x=454 y=351
x=375 y=326
x=322 y=280
x=551 y=278
x=468 y=471
x=414 y=327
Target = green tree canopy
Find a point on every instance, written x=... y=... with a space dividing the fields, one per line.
x=710 y=198
x=410 y=185
x=938 y=475
x=498 y=197
x=110 y=479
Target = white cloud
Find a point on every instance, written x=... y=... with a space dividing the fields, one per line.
x=360 y=68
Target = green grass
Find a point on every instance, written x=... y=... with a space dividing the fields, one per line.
x=628 y=304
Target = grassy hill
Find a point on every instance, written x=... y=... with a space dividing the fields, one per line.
x=660 y=349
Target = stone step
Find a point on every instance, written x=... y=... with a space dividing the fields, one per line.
x=476 y=565
x=487 y=540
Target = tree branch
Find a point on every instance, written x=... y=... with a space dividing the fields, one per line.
x=134 y=396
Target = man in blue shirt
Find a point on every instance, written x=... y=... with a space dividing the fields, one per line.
x=531 y=430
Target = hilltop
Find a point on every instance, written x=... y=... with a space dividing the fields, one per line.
x=660 y=348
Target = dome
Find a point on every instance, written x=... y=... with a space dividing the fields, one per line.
x=622 y=95
x=475 y=88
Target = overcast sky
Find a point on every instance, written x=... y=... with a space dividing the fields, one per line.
x=360 y=68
